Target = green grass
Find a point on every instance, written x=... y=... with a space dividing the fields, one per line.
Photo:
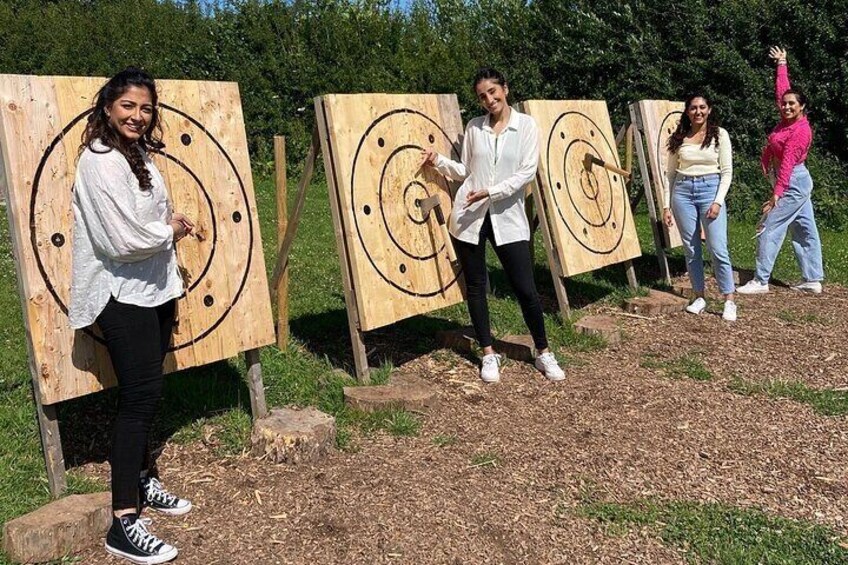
x=799 y=318
x=444 y=440
x=823 y=401
x=312 y=370
x=485 y=459
x=718 y=533
x=395 y=422
x=688 y=365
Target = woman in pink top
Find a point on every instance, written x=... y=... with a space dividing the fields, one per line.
x=790 y=206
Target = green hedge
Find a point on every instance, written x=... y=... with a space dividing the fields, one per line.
x=285 y=53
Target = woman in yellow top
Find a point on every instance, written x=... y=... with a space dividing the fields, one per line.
x=700 y=168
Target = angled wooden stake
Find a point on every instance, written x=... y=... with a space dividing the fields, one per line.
x=626 y=134
x=255 y=386
x=294 y=220
x=551 y=250
x=282 y=288
x=659 y=244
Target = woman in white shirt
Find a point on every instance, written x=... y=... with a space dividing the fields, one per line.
x=700 y=169
x=500 y=153
x=125 y=279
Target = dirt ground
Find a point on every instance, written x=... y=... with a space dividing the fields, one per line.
x=613 y=431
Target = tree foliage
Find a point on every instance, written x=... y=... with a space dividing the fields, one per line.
x=284 y=53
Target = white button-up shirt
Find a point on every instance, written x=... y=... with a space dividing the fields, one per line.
x=123 y=244
x=502 y=163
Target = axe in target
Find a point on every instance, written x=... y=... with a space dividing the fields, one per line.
x=589 y=160
x=433 y=204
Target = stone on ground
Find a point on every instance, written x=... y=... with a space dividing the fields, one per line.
x=293 y=435
x=603 y=326
x=403 y=391
x=516 y=347
x=655 y=304
x=57 y=529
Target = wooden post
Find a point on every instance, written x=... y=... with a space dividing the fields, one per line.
x=51 y=443
x=628 y=131
x=282 y=288
x=255 y=385
x=656 y=228
x=357 y=337
x=551 y=250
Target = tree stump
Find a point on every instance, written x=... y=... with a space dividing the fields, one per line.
x=404 y=392
x=655 y=304
x=63 y=527
x=291 y=435
x=603 y=326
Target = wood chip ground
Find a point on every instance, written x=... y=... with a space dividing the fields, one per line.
x=615 y=430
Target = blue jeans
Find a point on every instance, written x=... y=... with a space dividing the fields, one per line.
x=794 y=211
x=690 y=201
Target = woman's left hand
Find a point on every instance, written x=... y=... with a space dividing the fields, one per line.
x=714 y=210
x=769 y=204
x=475 y=196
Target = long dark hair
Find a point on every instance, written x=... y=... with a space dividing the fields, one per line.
x=676 y=139
x=98 y=127
x=799 y=96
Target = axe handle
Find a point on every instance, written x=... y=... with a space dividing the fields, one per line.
x=615 y=169
x=443 y=227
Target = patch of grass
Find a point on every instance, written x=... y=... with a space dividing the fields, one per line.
x=718 y=533
x=687 y=366
x=802 y=318
x=823 y=401
x=444 y=440
x=380 y=375
x=395 y=422
x=485 y=459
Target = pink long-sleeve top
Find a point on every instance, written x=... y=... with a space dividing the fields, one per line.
x=788 y=143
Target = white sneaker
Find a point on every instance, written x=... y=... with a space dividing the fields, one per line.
x=729 y=314
x=753 y=286
x=490 y=371
x=547 y=363
x=813 y=287
x=697 y=306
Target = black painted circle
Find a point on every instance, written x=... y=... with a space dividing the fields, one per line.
x=431 y=138
x=208 y=300
x=367 y=209
x=381 y=142
x=402 y=268
x=590 y=191
x=214 y=236
x=58 y=239
x=364 y=148
x=236 y=216
x=185 y=139
x=413 y=204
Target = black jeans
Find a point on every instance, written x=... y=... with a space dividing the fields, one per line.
x=137 y=339
x=518 y=266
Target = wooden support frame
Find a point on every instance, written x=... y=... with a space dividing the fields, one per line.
x=281 y=289
x=542 y=211
x=357 y=336
x=647 y=180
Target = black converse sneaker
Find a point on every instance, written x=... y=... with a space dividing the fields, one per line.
x=128 y=538
x=153 y=495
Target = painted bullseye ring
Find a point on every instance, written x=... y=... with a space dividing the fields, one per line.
x=217 y=235
x=397 y=194
x=667 y=127
x=595 y=204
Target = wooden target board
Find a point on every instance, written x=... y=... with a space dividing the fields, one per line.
x=588 y=210
x=226 y=309
x=659 y=120
x=395 y=260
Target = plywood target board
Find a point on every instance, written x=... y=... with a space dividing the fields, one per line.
x=226 y=308
x=659 y=120
x=588 y=209
x=396 y=258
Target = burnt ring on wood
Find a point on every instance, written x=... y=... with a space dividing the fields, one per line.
x=41 y=186
x=58 y=239
x=588 y=208
x=392 y=214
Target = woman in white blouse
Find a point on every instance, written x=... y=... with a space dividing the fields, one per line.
x=125 y=279
x=500 y=153
x=700 y=169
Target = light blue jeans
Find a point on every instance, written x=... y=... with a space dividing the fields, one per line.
x=690 y=201
x=794 y=211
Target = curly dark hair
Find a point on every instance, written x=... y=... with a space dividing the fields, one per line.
x=676 y=139
x=98 y=127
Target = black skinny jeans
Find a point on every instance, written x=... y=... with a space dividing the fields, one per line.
x=137 y=339
x=518 y=266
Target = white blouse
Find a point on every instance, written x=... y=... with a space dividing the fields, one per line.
x=123 y=245
x=504 y=164
x=693 y=161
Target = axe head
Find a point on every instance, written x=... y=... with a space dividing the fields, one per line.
x=590 y=160
x=427 y=205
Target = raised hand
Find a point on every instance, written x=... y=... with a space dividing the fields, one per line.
x=777 y=54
